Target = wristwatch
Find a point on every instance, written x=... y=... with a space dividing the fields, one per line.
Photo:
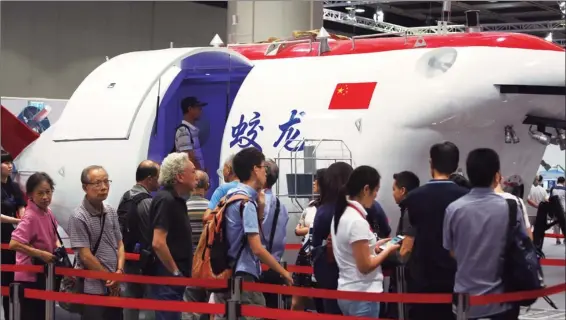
x=177 y=273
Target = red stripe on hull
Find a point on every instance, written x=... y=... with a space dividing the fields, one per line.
x=343 y=47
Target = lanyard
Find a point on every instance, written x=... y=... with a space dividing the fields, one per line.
x=361 y=214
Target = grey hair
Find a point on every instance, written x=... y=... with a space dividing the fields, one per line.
x=229 y=160
x=272 y=173
x=174 y=164
x=203 y=180
x=86 y=171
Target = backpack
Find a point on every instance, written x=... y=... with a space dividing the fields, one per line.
x=190 y=136
x=521 y=265
x=128 y=219
x=210 y=259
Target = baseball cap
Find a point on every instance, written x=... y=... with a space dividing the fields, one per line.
x=189 y=102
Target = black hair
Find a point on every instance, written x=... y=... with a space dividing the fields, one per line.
x=362 y=176
x=407 y=180
x=6 y=157
x=460 y=180
x=145 y=170
x=444 y=157
x=560 y=180
x=319 y=178
x=37 y=178
x=245 y=161
x=482 y=165
x=334 y=179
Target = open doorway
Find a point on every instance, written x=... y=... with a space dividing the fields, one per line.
x=213 y=77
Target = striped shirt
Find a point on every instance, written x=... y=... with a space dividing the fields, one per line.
x=84 y=230
x=196 y=206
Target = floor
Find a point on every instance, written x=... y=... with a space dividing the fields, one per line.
x=540 y=310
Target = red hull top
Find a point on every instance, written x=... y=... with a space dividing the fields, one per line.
x=341 y=47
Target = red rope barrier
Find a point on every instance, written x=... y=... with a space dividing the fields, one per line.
x=21 y=268
x=349 y=295
x=266 y=313
x=554 y=235
x=516 y=296
x=166 y=281
x=126 y=303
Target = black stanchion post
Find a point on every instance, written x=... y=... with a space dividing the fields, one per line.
x=16 y=295
x=400 y=277
x=462 y=306
x=50 y=286
x=280 y=297
x=234 y=304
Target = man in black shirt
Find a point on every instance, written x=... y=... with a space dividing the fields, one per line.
x=431 y=267
x=172 y=234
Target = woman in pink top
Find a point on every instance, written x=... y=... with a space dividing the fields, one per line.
x=35 y=240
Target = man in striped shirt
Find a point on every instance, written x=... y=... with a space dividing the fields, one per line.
x=95 y=235
x=196 y=206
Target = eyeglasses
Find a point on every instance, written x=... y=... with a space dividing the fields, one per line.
x=98 y=184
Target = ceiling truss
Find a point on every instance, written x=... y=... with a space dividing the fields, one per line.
x=384 y=27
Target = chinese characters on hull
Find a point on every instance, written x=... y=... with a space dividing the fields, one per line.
x=289 y=134
x=245 y=133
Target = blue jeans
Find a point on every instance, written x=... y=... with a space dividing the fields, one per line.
x=359 y=308
x=168 y=293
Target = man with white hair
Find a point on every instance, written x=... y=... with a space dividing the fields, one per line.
x=231 y=182
x=172 y=228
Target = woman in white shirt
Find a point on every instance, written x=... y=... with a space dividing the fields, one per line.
x=302 y=230
x=354 y=244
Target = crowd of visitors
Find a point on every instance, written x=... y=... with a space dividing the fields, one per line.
x=450 y=227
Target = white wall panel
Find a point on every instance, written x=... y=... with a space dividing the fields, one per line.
x=48 y=48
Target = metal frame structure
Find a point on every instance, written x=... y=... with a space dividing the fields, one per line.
x=384 y=27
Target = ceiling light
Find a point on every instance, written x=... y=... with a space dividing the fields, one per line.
x=548 y=37
x=561 y=137
x=350 y=8
x=378 y=16
x=360 y=10
x=562 y=6
x=508 y=135
x=539 y=137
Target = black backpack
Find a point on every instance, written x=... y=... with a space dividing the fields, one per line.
x=128 y=219
x=190 y=136
x=521 y=265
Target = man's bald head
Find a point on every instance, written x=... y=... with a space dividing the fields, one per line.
x=146 y=169
x=147 y=175
x=203 y=182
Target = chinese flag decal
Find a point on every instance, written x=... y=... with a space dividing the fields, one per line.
x=352 y=96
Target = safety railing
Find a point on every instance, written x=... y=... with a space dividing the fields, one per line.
x=234 y=307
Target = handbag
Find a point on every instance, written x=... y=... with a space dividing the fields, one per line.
x=75 y=285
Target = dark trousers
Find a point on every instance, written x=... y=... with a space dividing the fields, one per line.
x=100 y=313
x=168 y=293
x=423 y=311
x=8 y=257
x=32 y=309
x=511 y=314
x=271 y=277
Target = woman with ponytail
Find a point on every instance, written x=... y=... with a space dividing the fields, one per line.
x=355 y=245
x=325 y=268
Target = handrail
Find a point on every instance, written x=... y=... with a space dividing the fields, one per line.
x=379 y=35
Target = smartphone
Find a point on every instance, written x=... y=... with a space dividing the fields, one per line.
x=395 y=240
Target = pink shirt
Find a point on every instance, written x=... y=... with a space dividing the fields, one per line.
x=36 y=230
